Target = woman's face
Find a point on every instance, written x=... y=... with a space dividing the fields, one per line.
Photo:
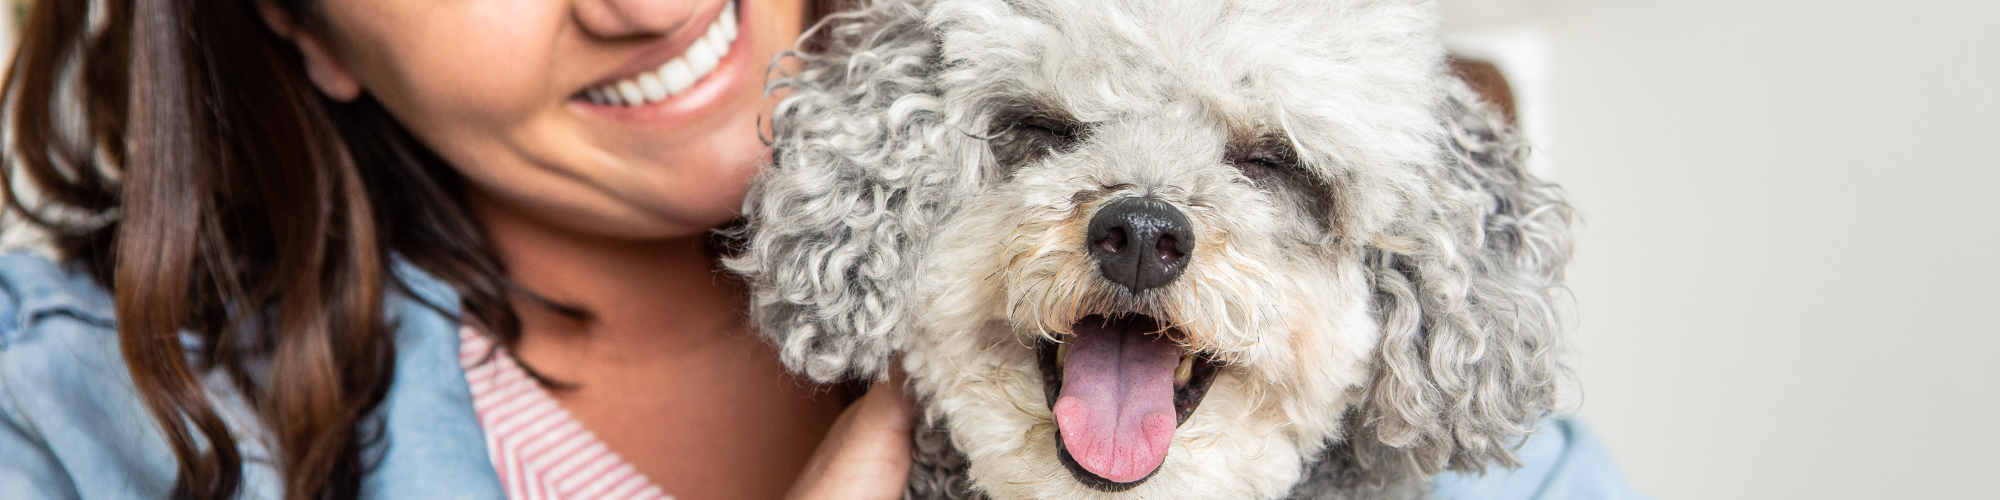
x=614 y=118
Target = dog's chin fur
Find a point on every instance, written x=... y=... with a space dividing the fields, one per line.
x=1376 y=298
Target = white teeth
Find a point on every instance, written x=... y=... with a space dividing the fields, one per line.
x=1062 y=353
x=700 y=57
x=650 y=83
x=1185 y=371
x=728 y=23
x=675 y=76
x=630 y=91
x=715 y=33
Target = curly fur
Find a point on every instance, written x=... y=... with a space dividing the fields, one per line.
x=1381 y=302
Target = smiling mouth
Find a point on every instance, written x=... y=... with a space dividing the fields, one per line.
x=676 y=76
x=1119 y=386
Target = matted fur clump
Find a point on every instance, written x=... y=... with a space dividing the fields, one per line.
x=1162 y=249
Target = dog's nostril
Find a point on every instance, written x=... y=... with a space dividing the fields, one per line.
x=1166 y=246
x=1113 y=241
x=1139 y=224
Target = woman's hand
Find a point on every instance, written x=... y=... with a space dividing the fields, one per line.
x=866 y=455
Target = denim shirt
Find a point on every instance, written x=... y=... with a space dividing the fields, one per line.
x=73 y=426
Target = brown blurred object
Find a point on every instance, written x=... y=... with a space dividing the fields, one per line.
x=817 y=9
x=11 y=14
x=1486 y=79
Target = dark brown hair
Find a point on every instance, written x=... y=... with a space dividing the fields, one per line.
x=176 y=150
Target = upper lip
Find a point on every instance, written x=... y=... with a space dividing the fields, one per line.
x=666 y=50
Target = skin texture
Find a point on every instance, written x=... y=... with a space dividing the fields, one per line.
x=606 y=209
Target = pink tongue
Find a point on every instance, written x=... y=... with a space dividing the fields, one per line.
x=1116 y=412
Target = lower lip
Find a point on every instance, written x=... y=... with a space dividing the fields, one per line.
x=709 y=92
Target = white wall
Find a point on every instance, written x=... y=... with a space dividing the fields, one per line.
x=1789 y=278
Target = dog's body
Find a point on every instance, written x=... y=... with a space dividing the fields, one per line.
x=1162 y=249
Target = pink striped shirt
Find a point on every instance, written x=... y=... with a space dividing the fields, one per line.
x=540 y=450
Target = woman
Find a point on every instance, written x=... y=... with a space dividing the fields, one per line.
x=273 y=218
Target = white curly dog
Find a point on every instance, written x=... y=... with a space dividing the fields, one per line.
x=1162 y=249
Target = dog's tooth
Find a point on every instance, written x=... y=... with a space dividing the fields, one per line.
x=1185 y=371
x=1062 y=353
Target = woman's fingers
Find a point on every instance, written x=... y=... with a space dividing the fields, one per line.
x=866 y=455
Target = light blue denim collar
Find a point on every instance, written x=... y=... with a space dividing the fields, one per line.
x=40 y=289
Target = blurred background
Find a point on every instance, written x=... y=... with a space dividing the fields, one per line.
x=1787 y=284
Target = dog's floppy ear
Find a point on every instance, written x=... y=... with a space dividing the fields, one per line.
x=1463 y=289
x=859 y=176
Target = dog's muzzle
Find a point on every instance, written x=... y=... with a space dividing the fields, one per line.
x=1140 y=243
x=1119 y=383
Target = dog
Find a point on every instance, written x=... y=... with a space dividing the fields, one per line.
x=1161 y=249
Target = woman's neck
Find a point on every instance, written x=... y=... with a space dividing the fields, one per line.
x=650 y=297
x=666 y=371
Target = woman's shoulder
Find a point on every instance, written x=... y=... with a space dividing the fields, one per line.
x=56 y=330
x=36 y=291
x=45 y=303
x=433 y=445
x=67 y=407
x=74 y=426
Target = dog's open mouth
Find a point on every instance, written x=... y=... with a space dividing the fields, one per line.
x=1119 y=387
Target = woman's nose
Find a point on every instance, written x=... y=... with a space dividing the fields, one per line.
x=622 y=18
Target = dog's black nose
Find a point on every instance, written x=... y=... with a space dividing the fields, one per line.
x=1140 y=243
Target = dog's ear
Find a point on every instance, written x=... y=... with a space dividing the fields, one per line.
x=1464 y=289
x=860 y=173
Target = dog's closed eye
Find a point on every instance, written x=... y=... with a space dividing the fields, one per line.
x=1026 y=137
x=1055 y=134
x=1263 y=159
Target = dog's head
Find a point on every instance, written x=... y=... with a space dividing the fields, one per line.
x=1162 y=248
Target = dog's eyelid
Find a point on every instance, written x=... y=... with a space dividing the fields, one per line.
x=1262 y=157
x=1024 y=134
x=1265 y=152
x=1059 y=127
x=1267 y=162
x=1057 y=134
x=1269 y=144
